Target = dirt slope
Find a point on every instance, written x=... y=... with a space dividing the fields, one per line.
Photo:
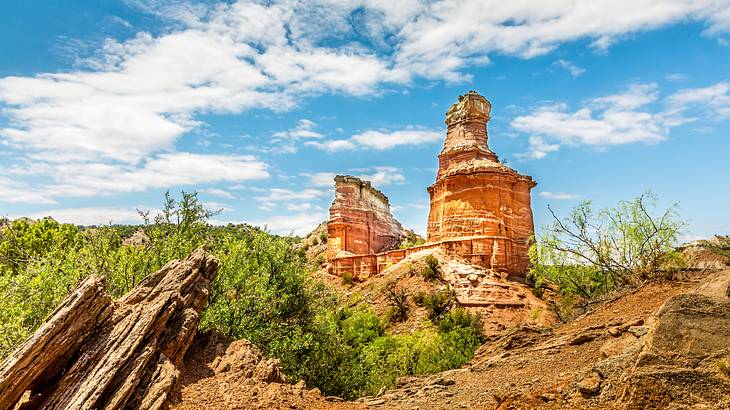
x=603 y=360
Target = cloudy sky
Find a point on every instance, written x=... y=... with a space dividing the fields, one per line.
x=104 y=105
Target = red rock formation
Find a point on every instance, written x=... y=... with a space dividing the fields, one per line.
x=477 y=198
x=360 y=221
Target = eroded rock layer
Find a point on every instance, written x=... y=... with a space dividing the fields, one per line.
x=95 y=353
x=477 y=198
x=360 y=220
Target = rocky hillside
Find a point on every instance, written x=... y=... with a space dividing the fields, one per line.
x=631 y=352
x=665 y=344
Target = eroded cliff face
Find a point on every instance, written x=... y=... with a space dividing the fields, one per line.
x=477 y=197
x=360 y=220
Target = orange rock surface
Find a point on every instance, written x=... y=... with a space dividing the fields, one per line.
x=360 y=220
x=477 y=198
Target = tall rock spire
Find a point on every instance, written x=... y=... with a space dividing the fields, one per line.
x=466 y=135
x=477 y=202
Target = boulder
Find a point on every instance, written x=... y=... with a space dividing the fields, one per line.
x=93 y=353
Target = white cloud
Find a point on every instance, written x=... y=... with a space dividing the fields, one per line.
x=442 y=37
x=298 y=224
x=558 y=195
x=127 y=106
x=539 y=148
x=573 y=69
x=332 y=145
x=91 y=215
x=379 y=176
x=298 y=207
x=675 y=77
x=160 y=171
x=715 y=97
x=324 y=179
x=219 y=192
x=622 y=118
x=304 y=129
x=279 y=194
x=382 y=176
x=609 y=120
x=380 y=139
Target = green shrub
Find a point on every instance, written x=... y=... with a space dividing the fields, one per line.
x=438 y=303
x=323 y=236
x=431 y=269
x=398 y=300
x=723 y=365
x=589 y=253
x=461 y=318
x=348 y=278
x=419 y=297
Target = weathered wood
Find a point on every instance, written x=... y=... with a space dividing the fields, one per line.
x=106 y=355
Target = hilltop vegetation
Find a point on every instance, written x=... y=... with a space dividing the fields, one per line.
x=263 y=293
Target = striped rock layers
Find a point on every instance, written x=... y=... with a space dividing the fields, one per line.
x=475 y=197
x=360 y=220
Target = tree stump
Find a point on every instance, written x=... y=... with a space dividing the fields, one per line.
x=95 y=353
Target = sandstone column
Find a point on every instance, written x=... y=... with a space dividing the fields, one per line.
x=480 y=208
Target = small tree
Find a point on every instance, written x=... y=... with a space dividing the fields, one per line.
x=397 y=298
x=431 y=270
x=438 y=303
x=591 y=252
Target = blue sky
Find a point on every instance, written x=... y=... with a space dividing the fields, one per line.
x=104 y=105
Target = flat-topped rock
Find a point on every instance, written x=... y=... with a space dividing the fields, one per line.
x=360 y=220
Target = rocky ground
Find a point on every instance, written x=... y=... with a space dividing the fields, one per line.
x=657 y=346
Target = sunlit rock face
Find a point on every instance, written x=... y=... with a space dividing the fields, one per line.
x=477 y=198
x=360 y=220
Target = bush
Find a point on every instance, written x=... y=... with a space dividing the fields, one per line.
x=419 y=298
x=262 y=293
x=591 y=253
x=323 y=236
x=321 y=260
x=723 y=365
x=438 y=303
x=348 y=278
x=398 y=300
x=431 y=269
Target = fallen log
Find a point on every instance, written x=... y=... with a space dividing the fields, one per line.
x=95 y=353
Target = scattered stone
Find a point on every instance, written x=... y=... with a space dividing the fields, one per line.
x=624 y=327
x=614 y=331
x=547 y=396
x=376 y=402
x=638 y=331
x=590 y=384
x=582 y=338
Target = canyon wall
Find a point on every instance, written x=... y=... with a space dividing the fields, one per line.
x=360 y=221
x=476 y=197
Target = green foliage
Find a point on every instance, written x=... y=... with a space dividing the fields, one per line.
x=590 y=253
x=430 y=270
x=43 y=261
x=723 y=365
x=397 y=298
x=419 y=297
x=262 y=293
x=323 y=236
x=348 y=278
x=438 y=303
x=412 y=239
x=320 y=260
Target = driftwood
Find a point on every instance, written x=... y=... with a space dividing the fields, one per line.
x=95 y=353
